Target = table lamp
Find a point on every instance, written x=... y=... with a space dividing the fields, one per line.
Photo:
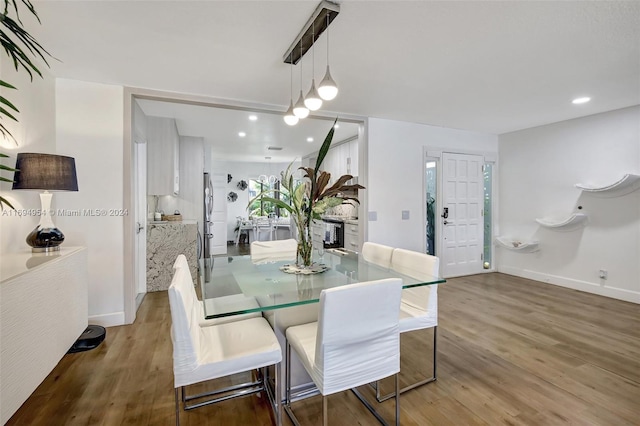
x=45 y=172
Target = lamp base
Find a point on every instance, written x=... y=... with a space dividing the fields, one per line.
x=44 y=240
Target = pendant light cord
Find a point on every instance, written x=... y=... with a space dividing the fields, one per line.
x=313 y=49
x=327 y=38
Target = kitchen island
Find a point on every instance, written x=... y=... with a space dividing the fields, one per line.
x=165 y=241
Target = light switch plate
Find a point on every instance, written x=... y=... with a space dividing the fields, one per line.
x=373 y=216
x=405 y=214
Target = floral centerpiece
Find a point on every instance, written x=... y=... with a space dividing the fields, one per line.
x=310 y=198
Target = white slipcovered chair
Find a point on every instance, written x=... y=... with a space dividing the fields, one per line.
x=231 y=303
x=419 y=307
x=205 y=353
x=263 y=226
x=377 y=254
x=355 y=341
x=273 y=251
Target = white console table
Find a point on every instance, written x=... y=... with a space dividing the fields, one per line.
x=43 y=311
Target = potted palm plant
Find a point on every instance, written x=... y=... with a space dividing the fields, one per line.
x=21 y=47
x=310 y=198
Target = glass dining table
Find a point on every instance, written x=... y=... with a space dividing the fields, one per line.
x=237 y=285
x=273 y=288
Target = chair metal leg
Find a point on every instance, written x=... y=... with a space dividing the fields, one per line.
x=397 y=379
x=287 y=389
x=278 y=391
x=177 y=408
x=325 y=415
x=382 y=398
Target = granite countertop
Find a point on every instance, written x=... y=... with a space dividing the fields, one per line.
x=173 y=222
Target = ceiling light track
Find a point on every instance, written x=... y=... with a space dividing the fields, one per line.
x=319 y=21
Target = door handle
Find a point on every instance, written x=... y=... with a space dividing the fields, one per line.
x=139 y=227
x=447 y=222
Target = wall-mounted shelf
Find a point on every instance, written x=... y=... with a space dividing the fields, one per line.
x=626 y=185
x=572 y=221
x=517 y=245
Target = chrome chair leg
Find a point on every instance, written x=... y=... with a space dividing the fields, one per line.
x=177 y=407
x=433 y=378
x=325 y=415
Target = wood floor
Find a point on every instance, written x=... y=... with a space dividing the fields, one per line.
x=510 y=351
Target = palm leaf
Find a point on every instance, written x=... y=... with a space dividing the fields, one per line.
x=323 y=181
x=6 y=102
x=5 y=84
x=7 y=113
x=4 y=201
x=325 y=146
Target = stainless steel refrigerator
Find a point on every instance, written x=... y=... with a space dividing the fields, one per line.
x=207 y=230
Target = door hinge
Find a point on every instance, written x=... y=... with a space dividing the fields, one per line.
x=481 y=256
x=482 y=212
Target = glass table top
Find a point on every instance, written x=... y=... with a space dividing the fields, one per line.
x=235 y=285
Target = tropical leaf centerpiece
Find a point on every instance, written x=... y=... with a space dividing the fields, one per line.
x=310 y=198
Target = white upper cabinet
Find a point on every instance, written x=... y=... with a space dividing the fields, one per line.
x=163 y=156
x=340 y=160
x=353 y=157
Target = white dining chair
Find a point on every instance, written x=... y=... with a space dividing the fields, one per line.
x=378 y=254
x=205 y=353
x=419 y=307
x=355 y=341
x=230 y=303
x=273 y=251
x=263 y=227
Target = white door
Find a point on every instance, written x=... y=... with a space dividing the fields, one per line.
x=140 y=249
x=219 y=214
x=462 y=229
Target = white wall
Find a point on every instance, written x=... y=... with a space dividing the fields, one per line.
x=89 y=127
x=244 y=171
x=34 y=132
x=538 y=170
x=190 y=198
x=395 y=175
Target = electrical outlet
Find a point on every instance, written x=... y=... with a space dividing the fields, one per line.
x=603 y=274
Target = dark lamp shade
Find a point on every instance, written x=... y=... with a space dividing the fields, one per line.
x=45 y=172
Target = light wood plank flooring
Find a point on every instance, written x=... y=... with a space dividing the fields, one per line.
x=510 y=351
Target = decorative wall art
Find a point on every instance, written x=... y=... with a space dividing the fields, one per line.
x=232 y=197
x=242 y=185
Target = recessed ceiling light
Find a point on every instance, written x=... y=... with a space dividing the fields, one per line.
x=253 y=117
x=337 y=126
x=582 y=100
x=242 y=134
x=309 y=139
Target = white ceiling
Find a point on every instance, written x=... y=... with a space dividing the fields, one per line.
x=220 y=129
x=491 y=67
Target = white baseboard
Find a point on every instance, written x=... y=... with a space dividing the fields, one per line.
x=594 y=288
x=107 y=320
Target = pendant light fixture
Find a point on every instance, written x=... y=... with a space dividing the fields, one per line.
x=312 y=100
x=299 y=109
x=328 y=88
x=289 y=117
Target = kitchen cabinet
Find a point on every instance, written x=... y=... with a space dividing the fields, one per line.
x=351 y=240
x=317 y=233
x=163 y=156
x=352 y=162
